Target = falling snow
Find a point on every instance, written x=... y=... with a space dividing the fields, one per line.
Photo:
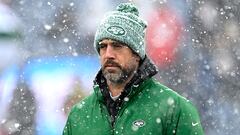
x=48 y=62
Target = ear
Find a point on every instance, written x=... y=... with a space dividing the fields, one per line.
x=135 y=55
x=137 y=58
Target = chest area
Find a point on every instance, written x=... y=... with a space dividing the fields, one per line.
x=140 y=120
x=132 y=119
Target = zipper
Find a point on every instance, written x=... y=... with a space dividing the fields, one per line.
x=119 y=114
x=108 y=117
x=123 y=106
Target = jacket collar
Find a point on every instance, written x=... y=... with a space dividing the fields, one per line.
x=146 y=70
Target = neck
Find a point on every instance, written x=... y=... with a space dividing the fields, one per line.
x=117 y=88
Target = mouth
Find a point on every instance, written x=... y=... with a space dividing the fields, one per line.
x=111 y=68
x=110 y=65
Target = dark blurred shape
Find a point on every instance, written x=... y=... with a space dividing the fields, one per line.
x=21 y=114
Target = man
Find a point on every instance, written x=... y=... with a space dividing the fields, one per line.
x=126 y=99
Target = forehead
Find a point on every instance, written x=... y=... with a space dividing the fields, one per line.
x=112 y=41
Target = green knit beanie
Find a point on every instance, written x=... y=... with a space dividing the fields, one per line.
x=123 y=25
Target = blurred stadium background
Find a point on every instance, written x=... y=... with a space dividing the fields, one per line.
x=48 y=63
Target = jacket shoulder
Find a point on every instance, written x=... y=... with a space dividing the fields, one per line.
x=168 y=92
x=83 y=105
x=160 y=91
x=186 y=120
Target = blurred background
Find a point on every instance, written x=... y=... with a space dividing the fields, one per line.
x=48 y=63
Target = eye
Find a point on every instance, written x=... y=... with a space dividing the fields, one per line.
x=102 y=45
x=117 y=45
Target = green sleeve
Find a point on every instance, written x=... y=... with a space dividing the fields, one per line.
x=188 y=119
x=67 y=129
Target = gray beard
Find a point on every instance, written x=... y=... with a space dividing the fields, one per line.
x=119 y=77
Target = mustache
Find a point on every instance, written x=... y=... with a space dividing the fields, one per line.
x=110 y=62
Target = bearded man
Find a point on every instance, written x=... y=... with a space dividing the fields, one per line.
x=126 y=99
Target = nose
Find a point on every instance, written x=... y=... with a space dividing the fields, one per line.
x=109 y=53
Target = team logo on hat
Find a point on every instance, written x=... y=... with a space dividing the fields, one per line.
x=116 y=30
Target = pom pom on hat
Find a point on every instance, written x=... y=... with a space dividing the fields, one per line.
x=128 y=8
x=123 y=25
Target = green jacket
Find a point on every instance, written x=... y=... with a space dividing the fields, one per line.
x=149 y=108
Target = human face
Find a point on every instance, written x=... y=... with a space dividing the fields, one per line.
x=117 y=60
